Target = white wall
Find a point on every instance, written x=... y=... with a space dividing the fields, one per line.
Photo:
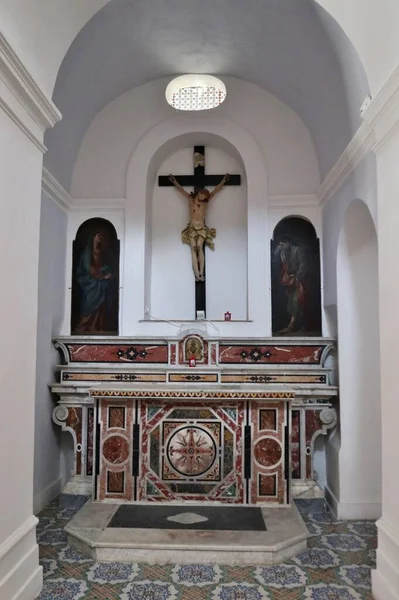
x=172 y=285
x=20 y=184
x=33 y=28
x=291 y=161
x=53 y=231
x=121 y=155
x=386 y=578
x=358 y=493
x=362 y=183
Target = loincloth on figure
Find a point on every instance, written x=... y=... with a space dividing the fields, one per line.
x=191 y=232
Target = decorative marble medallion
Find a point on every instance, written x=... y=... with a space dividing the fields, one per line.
x=356 y=575
x=267 y=452
x=53 y=537
x=343 y=541
x=241 y=591
x=49 y=566
x=323 y=591
x=314 y=529
x=116 y=449
x=196 y=575
x=191 y=451
x=70 y=555
x=187 y=518
x=44 y=523
x=112 y=572
x=317 y=558
x=281 y=576
x=154 y=590
x=363 y=528
x=63 y=589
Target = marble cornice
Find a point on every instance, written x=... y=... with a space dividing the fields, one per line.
x=380 y=119
x=22 y=98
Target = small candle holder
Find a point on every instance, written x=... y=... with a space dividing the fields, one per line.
x=227 y=316
x=192 y=361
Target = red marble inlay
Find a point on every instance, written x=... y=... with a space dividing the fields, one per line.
x=89 y=457
x=268 y=419
x=215 y=491
x=267 y=452
x=116 y=449
x=312 y=424
x=116 y=482
x=278 y=354
x=295 y=444
x=109 y=467
x=74 y=421
x=134 y=353
x=267 y=485
x=116 y=417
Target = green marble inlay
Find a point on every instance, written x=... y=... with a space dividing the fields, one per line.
x=152 y=411
x=231 y=492
x=152 y=490
x=232 y=412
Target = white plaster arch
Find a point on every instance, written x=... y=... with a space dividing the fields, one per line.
x=357 y=493
x=33 y=28
x=139 y=183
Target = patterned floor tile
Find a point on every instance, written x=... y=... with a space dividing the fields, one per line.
x=336 y=566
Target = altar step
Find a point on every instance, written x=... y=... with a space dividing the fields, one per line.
x=88 y=532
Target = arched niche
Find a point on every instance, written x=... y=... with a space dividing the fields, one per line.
x=95 y=279
x=295 y=278
x=357 y=492
x=168 y=137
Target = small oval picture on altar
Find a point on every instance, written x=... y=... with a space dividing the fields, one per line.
x=295 y=276
x=95 y=279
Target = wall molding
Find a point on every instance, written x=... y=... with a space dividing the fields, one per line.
x=20 y=574
x=293 y=200
x=386 y=576
x=36 y=103
x=100 y=204
x=44 y=497
x=58 y=194
x=55 y=191
x=380 y=119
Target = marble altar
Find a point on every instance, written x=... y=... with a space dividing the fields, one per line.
x=239 y=428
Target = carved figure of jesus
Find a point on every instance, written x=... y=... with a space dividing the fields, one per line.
x=197 y=233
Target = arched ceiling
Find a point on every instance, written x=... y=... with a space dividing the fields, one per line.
x=287 y=47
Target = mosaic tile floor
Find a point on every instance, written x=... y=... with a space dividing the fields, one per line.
x=336 y=566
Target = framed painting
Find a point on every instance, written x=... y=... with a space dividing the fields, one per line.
x=295 y=277
x=95 y=279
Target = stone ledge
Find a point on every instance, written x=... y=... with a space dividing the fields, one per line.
x=286 y=535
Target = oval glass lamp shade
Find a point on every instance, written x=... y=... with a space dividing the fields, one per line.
x=195 y=92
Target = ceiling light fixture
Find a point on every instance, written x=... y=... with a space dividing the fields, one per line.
x=195 y=92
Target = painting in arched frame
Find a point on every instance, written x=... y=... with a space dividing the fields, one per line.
x=295 y=278
x=95 y=279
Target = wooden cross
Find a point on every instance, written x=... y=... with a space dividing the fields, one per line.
x=199 y=181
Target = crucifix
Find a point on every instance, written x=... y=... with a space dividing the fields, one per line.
x=197 y=234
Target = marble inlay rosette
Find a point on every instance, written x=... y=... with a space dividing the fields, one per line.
x=196 y=575
x=281 y=576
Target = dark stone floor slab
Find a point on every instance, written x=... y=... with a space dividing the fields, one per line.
x=311 y=505
x=220 y=518
x=72 y=500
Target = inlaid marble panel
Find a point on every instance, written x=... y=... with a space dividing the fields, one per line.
x=268 y=477
x=111 y=353
x=191 y=452
x=271 y=354
x=116 y=450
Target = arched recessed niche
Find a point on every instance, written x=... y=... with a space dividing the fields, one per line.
x=95 y=279
x=295 y=278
